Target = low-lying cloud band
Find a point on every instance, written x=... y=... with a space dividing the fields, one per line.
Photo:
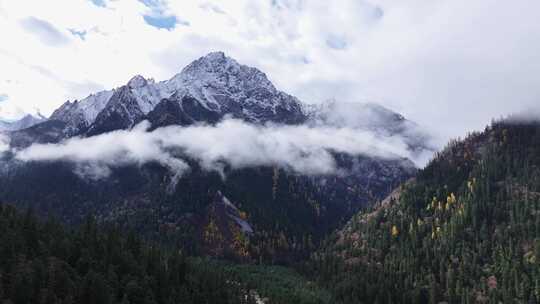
x=302 y=149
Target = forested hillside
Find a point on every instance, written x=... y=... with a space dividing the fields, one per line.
x=42 y=262
x=466 y=230
x=169 y=195
x=289 y=213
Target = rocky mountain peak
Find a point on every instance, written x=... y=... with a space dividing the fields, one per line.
x=214 y=61
x=207 y=89
x=137 y=81
x=210 y=88
x=220 y=71
x=215 y=57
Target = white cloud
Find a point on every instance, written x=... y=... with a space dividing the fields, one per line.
x=449 y=65
x=4 y=143
x=301 y=149
x=96 y=155
x=44 y=31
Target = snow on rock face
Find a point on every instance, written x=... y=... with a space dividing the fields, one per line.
x=93 y=104
x=23 y=123
x=221 y=84
x=222 y=73
x=142 y=94
x=149 y=94
x=72 y=115
x=208 y=89
x=371 y=117
x=137 y=82
x=214 y=86
x=217 y=83
x=224 y=209
x=78 y=115
x=233 y=213
x=366 y=116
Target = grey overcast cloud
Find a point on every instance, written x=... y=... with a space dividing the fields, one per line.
x=450 y=66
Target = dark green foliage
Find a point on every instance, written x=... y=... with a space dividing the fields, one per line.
x=467 y=230
x=290 y=213
x=44 y=263
x=277 y=284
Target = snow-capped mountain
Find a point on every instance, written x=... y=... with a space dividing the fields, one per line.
x=222 y=85
x=215 y=85
x=366 y=116
x=23 y=123
x=127 y=106
x=207 y=90
x=280 y=206
x=78 y=115
x=370 y=117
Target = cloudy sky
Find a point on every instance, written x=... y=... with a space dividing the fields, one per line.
x=450 y=65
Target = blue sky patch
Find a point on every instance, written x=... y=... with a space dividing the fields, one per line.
x=158 y=16
x=165 y=22
x=3 y=97
x=151 y=3
x=100 y=3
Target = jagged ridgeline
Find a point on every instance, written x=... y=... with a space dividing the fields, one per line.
x=23 y=123
x=466 y=230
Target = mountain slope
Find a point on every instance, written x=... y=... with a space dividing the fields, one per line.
x=289 y=212
x=369 y=117
x=211 y=88
x=466 y=230
x=223 y=85
x=23 y=123
x=218 y=84
x=44 y=262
